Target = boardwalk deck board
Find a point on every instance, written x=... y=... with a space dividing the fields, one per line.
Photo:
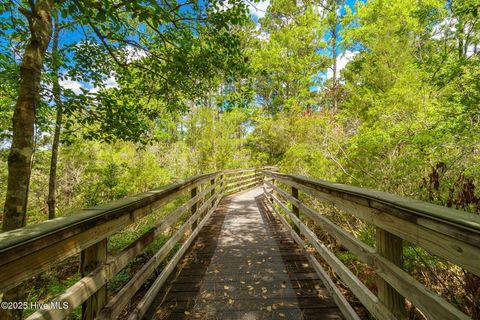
x=243 y=265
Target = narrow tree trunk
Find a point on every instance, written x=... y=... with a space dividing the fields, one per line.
x=20 y=157
x=21 y=150
x=52 y=183
x=460 y=38
x=334 y=79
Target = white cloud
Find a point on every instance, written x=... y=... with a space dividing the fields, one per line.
x=111 y=82
x=446 y=28
x=258 y=10
x=471 y=50
x=133 y=53
x=262 y=35
x=342 y=62
x=73 y=85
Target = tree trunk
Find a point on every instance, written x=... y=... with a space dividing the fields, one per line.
x=21 y=150
x=334 y=79
x=20 y=157
x=52 y=183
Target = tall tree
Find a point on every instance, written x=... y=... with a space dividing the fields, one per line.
x=287 y=61
x=39 y=20
x=172 y=30
x=331 y=11
x=57 y=97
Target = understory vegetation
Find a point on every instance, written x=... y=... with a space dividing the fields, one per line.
x=378 y=94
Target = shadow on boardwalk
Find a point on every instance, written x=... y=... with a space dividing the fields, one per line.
x=244 y=265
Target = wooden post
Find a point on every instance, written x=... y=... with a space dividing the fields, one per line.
x=212 y=193
x=391 y=247
x=295 y=209
x=91 y=258
x=193 y=193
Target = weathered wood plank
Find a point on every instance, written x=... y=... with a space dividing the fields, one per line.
x=461 y=250
x=147 y=299
x=390 y=247
x=23 y=255
x=59 y=228
x=295 y=209
x=84 y=288
x=346 y=309
x=90 y=259
x=368 y=299
x=242 y=182
x=428 y=302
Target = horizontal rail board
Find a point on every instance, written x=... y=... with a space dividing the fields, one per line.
x=36 y=261
x=18 y=242
x=467 y=226
x=461 y=250
x=241 y=188
x=368 y=299
x=428 y=302
x=347 y=311
x=243 y=182
x=147 y=299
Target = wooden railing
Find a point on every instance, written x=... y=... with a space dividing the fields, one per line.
x=29 y=251
x=451 y=234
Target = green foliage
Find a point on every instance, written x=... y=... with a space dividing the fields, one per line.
x=287 y=59
x=217 y=92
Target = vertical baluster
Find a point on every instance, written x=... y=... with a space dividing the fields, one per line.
x=212 y=193
x=295 y=209
x=391 y=247
x=91 y=258
x=193 y=193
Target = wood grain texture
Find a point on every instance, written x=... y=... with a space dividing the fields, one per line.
x=456 y=243
x=243 y=263
x=429 y=302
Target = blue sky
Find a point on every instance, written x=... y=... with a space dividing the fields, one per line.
x=257 y=11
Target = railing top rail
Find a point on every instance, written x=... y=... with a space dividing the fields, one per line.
x=393 y=204
x=86 y=218
x=230 y=171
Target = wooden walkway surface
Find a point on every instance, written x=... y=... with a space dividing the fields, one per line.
x=243 y=265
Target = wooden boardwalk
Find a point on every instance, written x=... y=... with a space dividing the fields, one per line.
x=243 y=265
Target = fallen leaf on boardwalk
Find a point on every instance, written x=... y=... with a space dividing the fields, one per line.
x=264 y=290
x=269 y=309
x=230 y=301
x=216 y=271
x=226 y=287
x=281 y=315
x=283 y=285
x=187 y=313
x=242 y=282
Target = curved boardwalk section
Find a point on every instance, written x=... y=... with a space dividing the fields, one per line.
x=243 y=265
